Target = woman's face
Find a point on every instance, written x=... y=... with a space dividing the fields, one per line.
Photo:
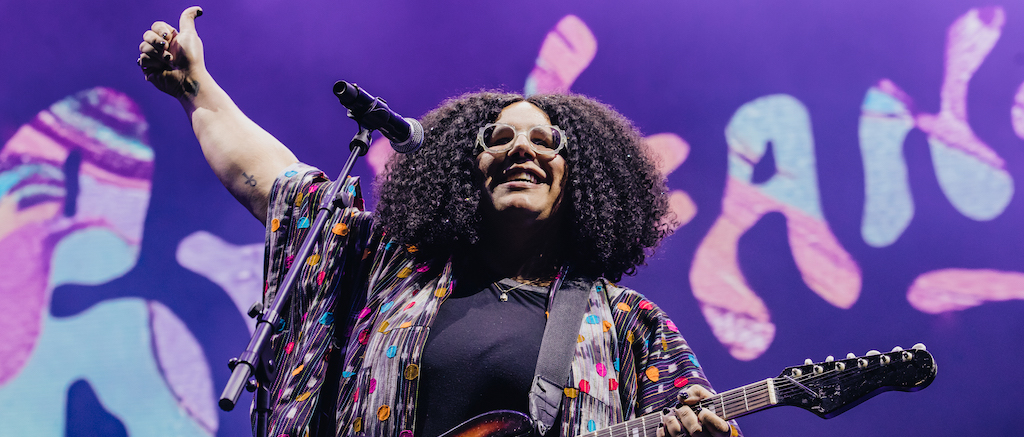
x=520 y=184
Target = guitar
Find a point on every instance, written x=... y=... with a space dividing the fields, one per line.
x=826 y=389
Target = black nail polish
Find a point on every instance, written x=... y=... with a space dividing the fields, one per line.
x=199 y=13
x=683 y=395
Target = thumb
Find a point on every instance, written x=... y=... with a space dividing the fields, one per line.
x=187 y=22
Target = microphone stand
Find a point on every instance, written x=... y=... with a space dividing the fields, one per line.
x=252 y=369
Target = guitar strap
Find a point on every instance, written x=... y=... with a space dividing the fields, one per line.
x=565 y=314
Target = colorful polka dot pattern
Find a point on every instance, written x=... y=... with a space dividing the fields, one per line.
x=301 y=342
x=629 y=360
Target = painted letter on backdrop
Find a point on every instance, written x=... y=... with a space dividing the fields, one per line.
x=970 y=173
x=738 y=317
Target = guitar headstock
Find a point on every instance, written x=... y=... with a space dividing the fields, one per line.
x=831 y=387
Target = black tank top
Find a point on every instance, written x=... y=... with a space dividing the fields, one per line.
x=480 y=355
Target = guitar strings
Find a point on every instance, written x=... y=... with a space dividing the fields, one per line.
x=738 y=402
x=786 y=388
x=743 y=400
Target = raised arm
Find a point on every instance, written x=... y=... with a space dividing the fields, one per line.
x=244 y=157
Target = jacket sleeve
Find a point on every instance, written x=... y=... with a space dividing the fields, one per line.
x=305 y=335
x=657 y=363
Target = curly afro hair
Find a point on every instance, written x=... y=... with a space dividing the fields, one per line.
x=615 y=201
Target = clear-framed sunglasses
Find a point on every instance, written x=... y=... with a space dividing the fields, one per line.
x=545 y=140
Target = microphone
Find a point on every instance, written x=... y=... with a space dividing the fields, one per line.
x=406 y=134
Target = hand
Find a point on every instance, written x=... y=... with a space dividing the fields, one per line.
x=691 y=420
x=173 y=60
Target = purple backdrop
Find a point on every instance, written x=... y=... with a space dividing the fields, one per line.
x=845 y=171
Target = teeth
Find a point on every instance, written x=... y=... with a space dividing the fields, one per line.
x=527 y=177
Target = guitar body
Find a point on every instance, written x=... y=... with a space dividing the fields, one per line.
x=500 y=423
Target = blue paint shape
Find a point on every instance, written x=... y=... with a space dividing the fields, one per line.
x=327 y=318
x=71 y=267
x=593 y=320
x=290 y=173
x=392 y=351
x=303 y=222
x=347 y=374
x=386 y=307
x=693 y=359
x=591 y=426
x=616 y=364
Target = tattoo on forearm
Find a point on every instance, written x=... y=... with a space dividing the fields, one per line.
x=249 y=180
x=190 y=86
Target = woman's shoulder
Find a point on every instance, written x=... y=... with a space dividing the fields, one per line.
x=622 y=294
x=631 y=305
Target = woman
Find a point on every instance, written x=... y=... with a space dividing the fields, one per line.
x=508 y=202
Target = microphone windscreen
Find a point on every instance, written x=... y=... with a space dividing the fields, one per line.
x=415 y=138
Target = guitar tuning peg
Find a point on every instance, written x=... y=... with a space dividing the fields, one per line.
x=872 y=352
x=919 y=346
x=850 y=356
x=897 y=349
x=808 y=361
x=830 y=359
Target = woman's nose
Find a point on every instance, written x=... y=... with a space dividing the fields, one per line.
x=521 y=146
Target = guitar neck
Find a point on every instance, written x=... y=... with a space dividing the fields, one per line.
x=826 y=389
x=727 y=405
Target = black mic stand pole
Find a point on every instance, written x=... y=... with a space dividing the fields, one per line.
x=257 y=360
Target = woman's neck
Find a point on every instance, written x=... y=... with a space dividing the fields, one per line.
x=529 y=257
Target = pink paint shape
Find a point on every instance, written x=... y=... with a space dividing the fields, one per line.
x=971 y=37
x=683 y=208
x=971 y=174
x=738 y=317
x=566 y=51
x=947 y=290
x=669 y=151
x=379 y=154
x=238 y=270
x=183 y=365
x=109 y=133
x=23 y=295
x=1017 y=112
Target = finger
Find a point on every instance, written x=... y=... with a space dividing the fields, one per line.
x=164 y=30
x=154 y=50
x=688 y=418
x=693 y=394
x=187 y=22
x=670 y=425
x=154 y=40
x=713 y=423
x=152 y=57
x=150 y=63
